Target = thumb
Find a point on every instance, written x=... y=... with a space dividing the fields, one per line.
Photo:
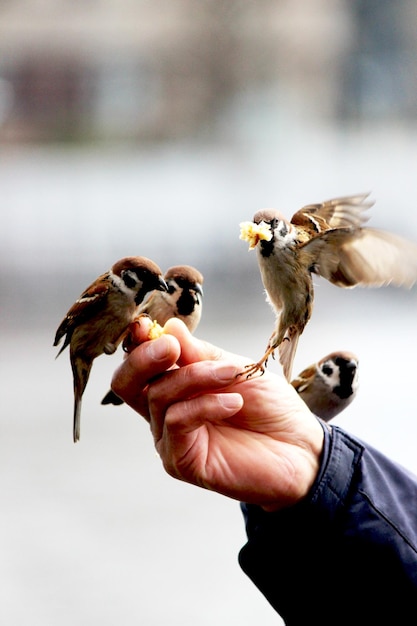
x=192 y=349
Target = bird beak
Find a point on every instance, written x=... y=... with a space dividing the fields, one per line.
x=198 y=289
x=162 y=286
x=351 y=365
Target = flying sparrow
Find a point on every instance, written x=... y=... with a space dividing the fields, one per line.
x=97 y=322
x=183 y=300
x=329 y=240
x=330 y=385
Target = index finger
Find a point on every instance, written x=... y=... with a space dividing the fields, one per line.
x=140 y=367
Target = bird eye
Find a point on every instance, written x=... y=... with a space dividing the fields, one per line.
x=327 y=370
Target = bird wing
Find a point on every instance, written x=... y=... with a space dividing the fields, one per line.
x=366 y=257
x=304 y=379
x=345 y=212
x=83 y=309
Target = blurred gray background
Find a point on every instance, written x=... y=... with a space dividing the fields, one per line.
x=154 y=128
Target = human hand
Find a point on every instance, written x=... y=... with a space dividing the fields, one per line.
x=250 y=439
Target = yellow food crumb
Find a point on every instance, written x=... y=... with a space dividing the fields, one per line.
x=253 y=233
x=155 y=330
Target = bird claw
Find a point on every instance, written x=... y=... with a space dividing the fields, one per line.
x=129 y=342
x=260 y=366
x=252 y=369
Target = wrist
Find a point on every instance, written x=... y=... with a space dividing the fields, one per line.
x=306 y=462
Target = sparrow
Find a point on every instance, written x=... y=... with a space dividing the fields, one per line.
x=330 y=385
x=183 y=299
x=327 y=239
x=97 y=322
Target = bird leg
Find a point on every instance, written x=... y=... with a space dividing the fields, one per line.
x=260 y=366
x=125 y=337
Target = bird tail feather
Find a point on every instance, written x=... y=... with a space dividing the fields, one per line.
x=287 y=350
x=81 y=372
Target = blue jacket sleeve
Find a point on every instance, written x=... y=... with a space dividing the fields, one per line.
x=347 y=554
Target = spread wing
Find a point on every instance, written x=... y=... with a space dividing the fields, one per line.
x=366 y=257
x=345 y=212
x=87 y=305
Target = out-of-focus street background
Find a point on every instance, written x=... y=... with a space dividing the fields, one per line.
x=154 y=127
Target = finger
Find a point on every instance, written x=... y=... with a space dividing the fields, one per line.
x=138 y=332
x=148 y=360
x=184 y=442
x=192 y=349
x=187 y=382
x=184 y=417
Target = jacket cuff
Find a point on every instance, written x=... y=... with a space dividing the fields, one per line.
x=340 y=459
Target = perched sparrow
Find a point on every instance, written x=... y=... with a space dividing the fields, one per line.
x=330 y=385
x=329 y=240
x=183 y=300
x=97 y=322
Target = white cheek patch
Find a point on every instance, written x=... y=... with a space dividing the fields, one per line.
x=355 y=382
x=333 y=379
x=121 y=285
x=284 y=235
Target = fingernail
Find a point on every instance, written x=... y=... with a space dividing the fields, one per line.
x=158 y=349
x=226 y=373
x=232 y=401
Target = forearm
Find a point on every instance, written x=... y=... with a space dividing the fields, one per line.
x=356 y=532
